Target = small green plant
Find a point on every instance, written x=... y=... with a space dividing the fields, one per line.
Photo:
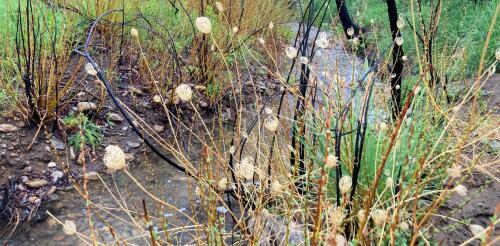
x=88 y=132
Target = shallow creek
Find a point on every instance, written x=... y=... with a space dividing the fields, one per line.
x=167 y=183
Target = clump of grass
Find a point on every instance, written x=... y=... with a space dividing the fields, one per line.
x=88 y=133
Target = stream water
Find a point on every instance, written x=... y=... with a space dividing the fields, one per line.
x=158 y=178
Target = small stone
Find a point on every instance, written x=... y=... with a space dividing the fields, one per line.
x=81 y=94
x=86 y=106
x=91 y=176
x=36 y=183
x=4 y=128
x=56 y=175
x=158 y=128
x=203 y=104
x=115 y=117
x=200 y=88
x=58 y=144
x=52 y=164
x=51 y=190
x=20 y=123
x=28 y=169
x=135 y=90
x=133 y=144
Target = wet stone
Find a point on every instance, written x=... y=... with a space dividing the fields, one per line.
x=133 y=144
x=36 y=183
x=58 y=144
x=5 y=128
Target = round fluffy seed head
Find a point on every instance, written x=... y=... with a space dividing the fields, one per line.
x=322 y=41
x=203 y=24
x=245 y=169
x=235 y=29
x=276 y=187
x=134 y=32
x=341 y=241
x=219 y=6
x=404 y=226
x=454 y=171
x=291 y=52
x=271 y=123
x=476 y=229
x=400 y=23
x=157 y=99
x=497 y=54
x=114 y=158
x=345 y=184
x=184 y=92
x=268 y=111
x=379 y=217
x=361 y=215
x=350 y=31
x=331 y=161
x=404 y=58
x=389 y=182
x=90 y=69
x=461 y=190
x=262 y=40
x=232 y=150
x=304 y=60
x=222 y=184
x=69 y=227
x=336 y=216
x=271 y=25
x=399 y=41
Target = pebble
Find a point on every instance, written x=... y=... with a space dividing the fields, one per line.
x=56 y=175
x=52 y=164
x=86 y=106
x=28 y=169
x=51 y=190
x=91 y=176
x=158 y=128
x=129 y=157
x=115 y=117
x=203 y=104
x=58 y=144
x=20 y=123
x=36 y=183
x=133 y=144
x=8 y=128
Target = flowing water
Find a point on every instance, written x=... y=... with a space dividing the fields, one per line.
x=159 y=178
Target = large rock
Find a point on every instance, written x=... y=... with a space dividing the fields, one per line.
x=5 y=128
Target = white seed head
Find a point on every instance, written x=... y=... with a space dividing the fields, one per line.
x=382 y=126
x=350 y=31
x=400 y=23
x=345 y=184
x=271 y=123
x=268 y=111
x=361 y=215
x=276 y=187
x=197 y=191
x=245 y=169
x=90 y=69
x=291 y=52
x=340 y=240
x=114 y=158
x=454 y=171
x=219 y=6
x=232 y=150
x=461 y=190
x=399 y=41
x=304 y=60
x=355 y=40
x=262 y=40
x=222 y=184
x=322 y=41
x=404 y=58
x=134 y=32
x=235 y=29
x=271 y=25
x=331 y=161
x=69 y=227
x=404 y=226
x=397 y=87
x=379 y=217
x=184 y=92
x=157 y=99
x=203 y=24
x=389 y=182
x=497 y=54
x=476 y=229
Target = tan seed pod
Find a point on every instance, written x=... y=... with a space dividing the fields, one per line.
x=69 y=227
x=184 y=92
x=114 y=158
x=203 y=24
x=379 y=217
